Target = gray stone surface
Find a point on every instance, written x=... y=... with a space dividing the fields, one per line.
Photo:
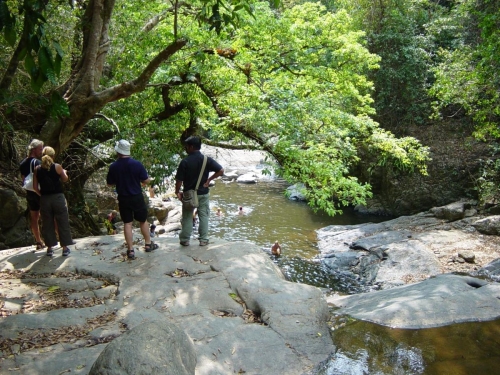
x=435 y=302
x=488 y=225
x=451 y=212
x=206 y=291
x=405 y=250
x=152 y=348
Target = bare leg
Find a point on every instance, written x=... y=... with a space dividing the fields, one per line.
x=145 y=232
x=35 y=228
x=129 y=239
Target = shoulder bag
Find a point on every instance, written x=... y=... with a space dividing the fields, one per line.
x=28 y=180
x=190 y=197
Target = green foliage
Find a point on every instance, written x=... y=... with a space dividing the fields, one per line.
x=397 y=32
x=7 y=23
x=467 y=76
x=297 y=80
x=293 y=82
x=487 y=184
x=42 y=56
x=58 y=106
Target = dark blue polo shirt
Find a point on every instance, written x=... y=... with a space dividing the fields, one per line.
x=127 y=174
x=189 y=171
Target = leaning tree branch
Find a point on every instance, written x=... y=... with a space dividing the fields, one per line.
x=108 y=119
x=126 y=89
x=246 y=131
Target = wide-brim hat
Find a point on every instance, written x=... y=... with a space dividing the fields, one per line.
x=123 y=147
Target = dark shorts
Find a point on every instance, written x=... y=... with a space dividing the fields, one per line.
x=132 y=207
x=33 y=200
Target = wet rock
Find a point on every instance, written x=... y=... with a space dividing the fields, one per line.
x=342 y=260
x=247 y=178
x=229 y=176
x=295 y=192
x=150 y=348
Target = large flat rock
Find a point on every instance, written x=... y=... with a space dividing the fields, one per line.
x=438 y=301
x=210 y=292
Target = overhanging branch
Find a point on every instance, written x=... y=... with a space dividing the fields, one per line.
x=126 y=89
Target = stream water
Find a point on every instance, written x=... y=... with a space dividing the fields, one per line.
x=362 y=348
x=268 y=216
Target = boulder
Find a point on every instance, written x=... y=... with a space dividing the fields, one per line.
x=247 y=178
x=435 y=302
x=491 y=270
x=451 y=212
x=467 y=255
x=151 y=348
x=488 y=225
x=11 y=208
x=161 y=213
x=232 y=175
x=296 y=192
x=105 y=200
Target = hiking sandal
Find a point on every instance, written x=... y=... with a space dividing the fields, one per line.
x=150 y=247
x=50 y=252
x=40 y=246
x=131 y=254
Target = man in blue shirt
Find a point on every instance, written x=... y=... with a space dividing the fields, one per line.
x=128 y=174
x=187 y=176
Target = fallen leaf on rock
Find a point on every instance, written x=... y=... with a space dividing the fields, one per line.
x=43 y=338
x=179 y=272
x=53 y=288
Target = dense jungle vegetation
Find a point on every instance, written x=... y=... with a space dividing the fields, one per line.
x=315 y=84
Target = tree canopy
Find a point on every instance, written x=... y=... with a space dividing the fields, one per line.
x=293 y=81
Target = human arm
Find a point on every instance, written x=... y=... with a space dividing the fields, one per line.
x=63 y=174
x=213 y=177
x=178 y=193
x=146 y=182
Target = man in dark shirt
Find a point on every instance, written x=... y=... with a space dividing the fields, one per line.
x=29 y=164
x=128 y=174
x=187 y=176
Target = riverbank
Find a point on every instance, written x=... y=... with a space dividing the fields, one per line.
x=427 y=270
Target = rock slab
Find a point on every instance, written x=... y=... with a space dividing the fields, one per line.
x=152 y=348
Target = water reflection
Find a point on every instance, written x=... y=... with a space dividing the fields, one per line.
x=459 y=349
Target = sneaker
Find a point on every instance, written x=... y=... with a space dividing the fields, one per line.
x=203 y=243
x=185 y=243
x=66 y=252
x=50 y=252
